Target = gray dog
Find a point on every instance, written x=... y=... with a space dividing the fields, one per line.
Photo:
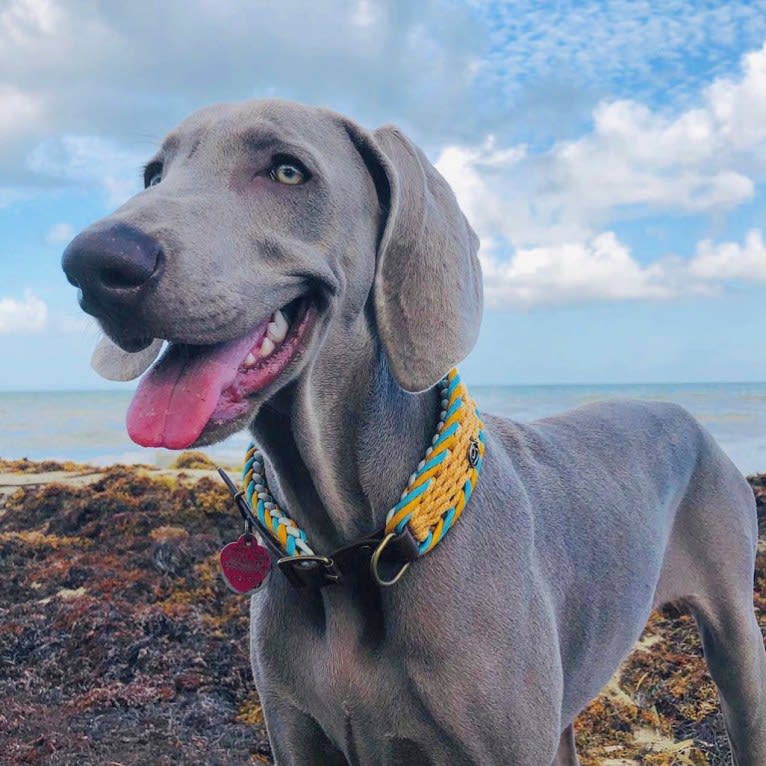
x=315 y=281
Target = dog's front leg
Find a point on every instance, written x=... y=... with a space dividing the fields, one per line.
x=567 y=752
x=297 y=739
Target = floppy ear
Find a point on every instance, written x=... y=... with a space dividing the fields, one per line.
x=427 y=289
x=112 y=363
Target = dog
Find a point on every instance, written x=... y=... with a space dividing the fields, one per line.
x=314 y=281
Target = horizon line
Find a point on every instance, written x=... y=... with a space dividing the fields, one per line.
x=109 y=390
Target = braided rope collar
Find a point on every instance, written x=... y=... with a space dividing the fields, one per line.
x=432 y=501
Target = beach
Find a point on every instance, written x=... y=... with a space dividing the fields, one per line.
x=120 y=643
x=300 y=217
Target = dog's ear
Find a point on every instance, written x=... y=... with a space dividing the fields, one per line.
x=112 y=363
x=428 y=289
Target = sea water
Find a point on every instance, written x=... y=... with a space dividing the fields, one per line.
x=89 y=426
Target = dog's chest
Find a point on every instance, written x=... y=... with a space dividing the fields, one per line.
x=350 y=678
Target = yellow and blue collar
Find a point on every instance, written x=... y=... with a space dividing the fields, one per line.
x=430 y=505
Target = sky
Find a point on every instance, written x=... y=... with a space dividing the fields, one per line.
x=611 y=157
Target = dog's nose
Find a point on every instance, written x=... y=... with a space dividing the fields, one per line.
x=111 y=264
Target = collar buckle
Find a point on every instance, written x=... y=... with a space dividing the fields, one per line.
x=313 y=571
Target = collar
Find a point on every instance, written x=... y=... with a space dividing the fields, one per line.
x=430 y=505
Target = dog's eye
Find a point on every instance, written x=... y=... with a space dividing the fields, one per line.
x=152 y=174
x=288 y=173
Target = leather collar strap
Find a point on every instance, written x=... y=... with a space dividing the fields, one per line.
x=357 y=559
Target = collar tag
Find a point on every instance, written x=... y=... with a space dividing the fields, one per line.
x=245 y=565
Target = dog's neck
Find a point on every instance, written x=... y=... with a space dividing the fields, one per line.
x=341 y=442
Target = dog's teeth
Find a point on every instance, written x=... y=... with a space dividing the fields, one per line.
x=281 y=320
x=249 y=360
x=267 y=346
x=276 y=332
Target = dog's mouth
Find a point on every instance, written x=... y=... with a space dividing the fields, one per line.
x=192 y=389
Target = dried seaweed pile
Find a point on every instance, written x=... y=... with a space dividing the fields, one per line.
x=120 y=645
x=118 y=641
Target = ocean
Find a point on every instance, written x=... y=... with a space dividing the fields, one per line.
x=88 y=426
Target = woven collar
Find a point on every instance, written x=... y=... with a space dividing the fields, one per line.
x=430 y=505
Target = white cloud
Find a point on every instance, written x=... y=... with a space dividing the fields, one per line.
x=603 y=269
x=730 y=261
x=476 y=174
x=23 y=316
x=738 y=109
x=20 y=113
x=705 y=158
x=364 y=15
x=23 y=20
x=600 y=269
x=636 y=157
x=59 y=234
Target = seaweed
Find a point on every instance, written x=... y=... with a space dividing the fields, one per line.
x=119 y=642
x=194 y=460
x=24 y=465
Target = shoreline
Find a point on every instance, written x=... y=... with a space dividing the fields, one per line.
x=132 y=650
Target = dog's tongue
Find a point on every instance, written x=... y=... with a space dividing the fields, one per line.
x=175 y=399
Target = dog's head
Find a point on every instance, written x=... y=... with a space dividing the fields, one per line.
x=266 y=232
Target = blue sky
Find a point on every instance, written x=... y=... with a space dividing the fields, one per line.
x=612 y=158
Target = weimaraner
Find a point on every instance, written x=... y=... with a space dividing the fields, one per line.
x=488 y=647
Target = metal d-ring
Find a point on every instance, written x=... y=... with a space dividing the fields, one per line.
x=375 y=560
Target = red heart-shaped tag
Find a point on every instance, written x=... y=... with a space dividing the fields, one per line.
x=245 y=564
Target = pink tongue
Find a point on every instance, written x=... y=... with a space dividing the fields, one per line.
x=175 y=399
